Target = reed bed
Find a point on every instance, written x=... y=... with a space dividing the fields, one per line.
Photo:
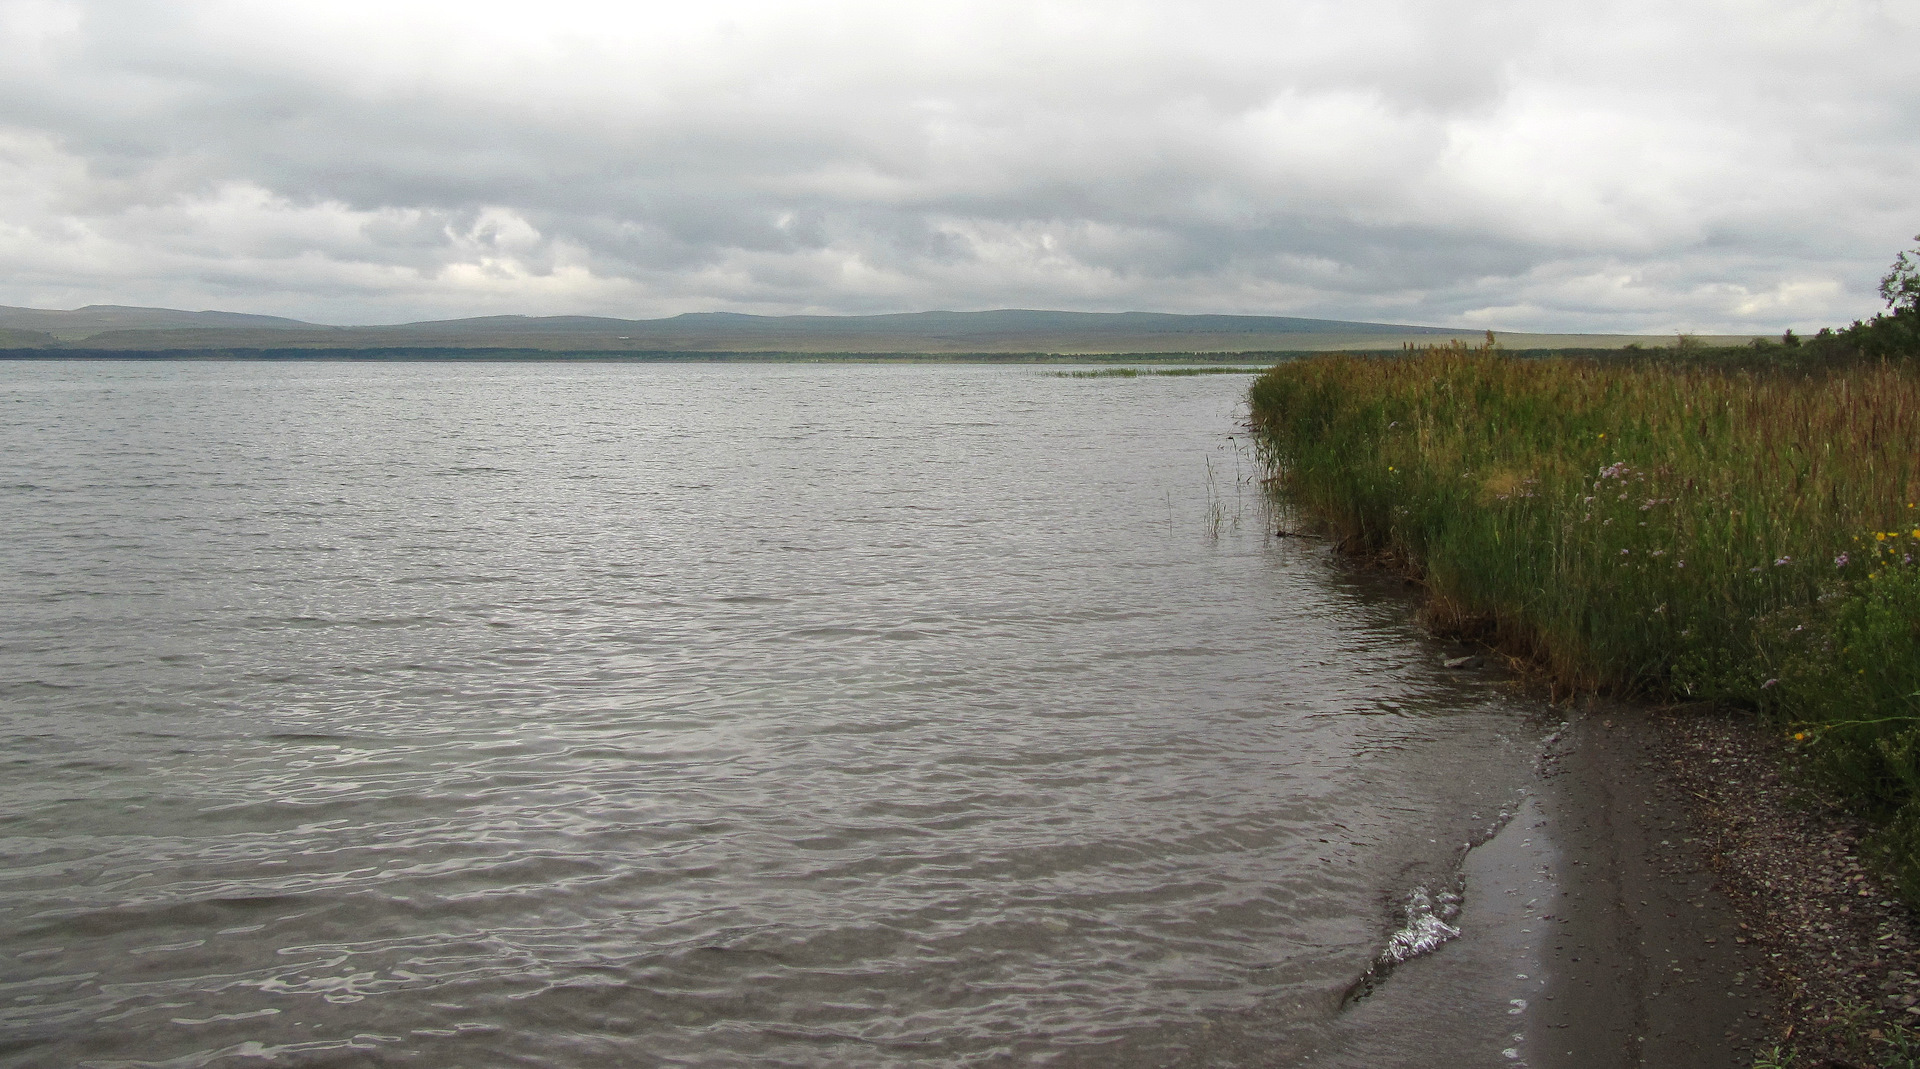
x=1673 y=532
x=1173 y=372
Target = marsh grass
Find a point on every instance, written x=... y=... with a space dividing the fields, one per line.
x=1183 y=372
x=1673 y=531
x=1168 y=372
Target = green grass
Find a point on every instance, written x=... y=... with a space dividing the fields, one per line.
x=1658 y=529
x=1890 y=1045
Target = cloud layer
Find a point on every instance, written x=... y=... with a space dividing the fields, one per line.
x=1633 y=165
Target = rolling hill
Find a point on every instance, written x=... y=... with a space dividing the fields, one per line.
x=108 y=329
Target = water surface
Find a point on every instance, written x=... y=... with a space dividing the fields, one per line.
x=575 y=715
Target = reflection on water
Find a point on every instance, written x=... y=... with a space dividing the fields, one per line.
x=665 y=715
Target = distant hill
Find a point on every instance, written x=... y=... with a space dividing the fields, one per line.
x=113 y=328
x=24 y=339
x=95 y=318
x=109 y=327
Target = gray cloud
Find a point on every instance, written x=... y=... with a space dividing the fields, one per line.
x=1629 y=166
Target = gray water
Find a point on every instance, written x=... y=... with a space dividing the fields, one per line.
x=637 y=715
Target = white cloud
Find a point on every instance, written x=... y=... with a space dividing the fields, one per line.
x=1707 y=164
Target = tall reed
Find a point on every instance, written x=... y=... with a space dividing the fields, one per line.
x=1669 y=531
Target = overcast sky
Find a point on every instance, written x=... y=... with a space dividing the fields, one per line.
x=1643 y=165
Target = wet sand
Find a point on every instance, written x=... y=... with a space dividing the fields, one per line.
x=1645 y=962
x=1591 y=924
x=1669 y=896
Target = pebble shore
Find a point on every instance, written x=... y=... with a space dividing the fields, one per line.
x=1839 y=953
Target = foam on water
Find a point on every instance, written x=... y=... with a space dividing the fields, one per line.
x=1426 y=927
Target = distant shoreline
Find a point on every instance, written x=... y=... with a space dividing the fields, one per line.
x=505 y=355
x=449 y=354
x=997 y=334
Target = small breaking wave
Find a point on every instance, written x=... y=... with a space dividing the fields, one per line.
x=1426 y=924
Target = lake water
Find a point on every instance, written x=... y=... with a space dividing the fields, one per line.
x=669 y=715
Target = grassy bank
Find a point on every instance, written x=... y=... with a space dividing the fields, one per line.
x=1668 y=530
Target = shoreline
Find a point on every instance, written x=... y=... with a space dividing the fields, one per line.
x=1709 y=908
x=1678 y=900
x=1594 y=920
x=1652 y=531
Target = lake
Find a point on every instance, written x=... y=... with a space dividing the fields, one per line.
x=461 y=714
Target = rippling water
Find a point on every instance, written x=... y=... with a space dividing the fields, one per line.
x=569 y=715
